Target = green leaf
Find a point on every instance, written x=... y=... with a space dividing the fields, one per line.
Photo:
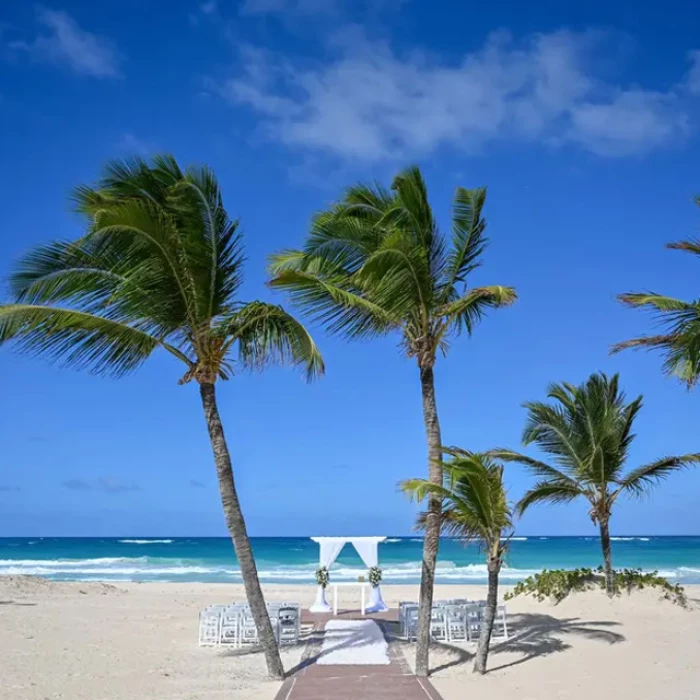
x=265 y=334
x=75 y=338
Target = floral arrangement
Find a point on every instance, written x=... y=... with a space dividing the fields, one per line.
x=375 y=576
x=322 y=576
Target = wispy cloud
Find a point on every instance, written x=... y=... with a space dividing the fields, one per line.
x=38 y=439
x=313 y=8
x=77 y=485
x=111 y=485
x=303 y=7
x=7 y=489
x=196 y=484
x=105 y=484
x=62 y=40
x=129 y=143
x=366 y=102
x=208 y=8
x=693 y=77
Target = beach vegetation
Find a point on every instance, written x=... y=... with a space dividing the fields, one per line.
x=557 y=584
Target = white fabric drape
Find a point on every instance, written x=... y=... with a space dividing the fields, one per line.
x=330 y=549
x=367 y=549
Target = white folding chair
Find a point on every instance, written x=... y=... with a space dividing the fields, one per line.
x=248 y=632
x=456 y=623
x=209 y=627
x=438 y=624
x=473 y=614
x=500 y=626
x=410 y=623
x=230 y=629
x=289 y=625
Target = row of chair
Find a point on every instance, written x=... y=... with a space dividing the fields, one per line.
x=452 y=621
x=234 y=624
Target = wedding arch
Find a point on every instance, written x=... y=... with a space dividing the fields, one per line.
x=367 y=548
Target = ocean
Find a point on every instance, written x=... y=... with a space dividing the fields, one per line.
x=294 y=559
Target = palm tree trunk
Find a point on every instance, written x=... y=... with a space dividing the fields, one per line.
x=607 y=557
x=432 y=525
x=489 y=615
x=239 y=535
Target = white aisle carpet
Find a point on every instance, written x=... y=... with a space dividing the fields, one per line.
x=353 y=642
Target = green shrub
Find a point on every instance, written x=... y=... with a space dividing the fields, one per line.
x=558 y=583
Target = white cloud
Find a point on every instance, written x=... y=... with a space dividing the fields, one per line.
x=208 y=8
x=366 y=102
x=301 y=7
x=693 y=77
x=318 y=8
x=64 y=41
x=132 y=144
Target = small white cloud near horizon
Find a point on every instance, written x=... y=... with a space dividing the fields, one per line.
x=106 y=484
x=366 y=103
x=65 y=42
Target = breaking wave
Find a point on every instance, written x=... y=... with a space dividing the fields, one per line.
x=146 y=541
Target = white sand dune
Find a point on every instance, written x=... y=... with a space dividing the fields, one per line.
x=85 y=641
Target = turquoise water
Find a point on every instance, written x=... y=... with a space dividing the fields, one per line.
x=293 y=560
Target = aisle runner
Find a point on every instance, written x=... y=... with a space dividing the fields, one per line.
x=353 y=642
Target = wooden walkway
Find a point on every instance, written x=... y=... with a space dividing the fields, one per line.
x=311 y=681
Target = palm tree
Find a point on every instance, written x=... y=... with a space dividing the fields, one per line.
x=474 y=507
x=158 y=269
x=680 y=320
x=587 y=430
x=375 y=263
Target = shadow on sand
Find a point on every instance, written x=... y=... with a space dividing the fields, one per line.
x=534 y=635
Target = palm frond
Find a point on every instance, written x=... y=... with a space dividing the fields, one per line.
x=533 y=466
x=468 y=309
x=549 y=491
x=639 y=480
x=692 y=246
x=680 y=343
x=419 y=489
x=76 y=339
x=212 y=247
x=468 y=241
x=472 y=494
x=335 y=302
x=266 y=333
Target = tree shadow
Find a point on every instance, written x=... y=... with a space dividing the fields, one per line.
x=534 y=635
x=537 y=634
x=19 y=605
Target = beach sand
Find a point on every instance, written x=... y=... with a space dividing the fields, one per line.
x=81 y=641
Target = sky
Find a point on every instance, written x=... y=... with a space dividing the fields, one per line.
x=582 y=119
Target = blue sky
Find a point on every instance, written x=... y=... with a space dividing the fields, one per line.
x=583 y=122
